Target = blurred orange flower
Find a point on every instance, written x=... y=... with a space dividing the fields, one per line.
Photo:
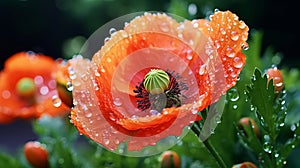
x=27 y=86
x=202 y=59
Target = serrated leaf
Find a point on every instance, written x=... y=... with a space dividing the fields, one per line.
x=262 y=96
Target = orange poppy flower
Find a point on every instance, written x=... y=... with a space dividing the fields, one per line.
x=27 y=85
x=197 y=61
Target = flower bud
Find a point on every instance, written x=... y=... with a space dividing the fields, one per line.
x=170 y=159
x=276 y=75
x=244 y=122
x=245 y=165
x=36 y=154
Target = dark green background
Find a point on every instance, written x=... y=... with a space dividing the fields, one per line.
x=44 y=25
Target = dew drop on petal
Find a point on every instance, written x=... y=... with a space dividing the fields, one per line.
x=202 y=70
x=106 y=39
x=112 y=31
x=106 y=141
x=117 y=102
x=164 y=27
x=234 y=36
x=237 y=62
x=230 y=53
x=88 y=114
x=38 y=80
x=189 y=57
x=154 y=112
x=223 y=31
x=44 y=90
x=70 y=86
x=56 y=101
x=245 y=46
x=6 y=94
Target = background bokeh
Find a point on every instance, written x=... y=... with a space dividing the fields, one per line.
x=49 y=26
x=58 y=28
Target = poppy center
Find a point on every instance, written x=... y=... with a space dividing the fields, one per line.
x=26 y=87
x=158 y=90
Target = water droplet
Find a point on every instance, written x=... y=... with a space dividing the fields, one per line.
x=230 y=53
x=233 y=94
x=106 y=141
x=237 y=62
x=234 y=36
x=116 y=141
x=44 y=90
x=88 y=114
x=242 y=25
x=189 y=57
x=267 y=147
x=106 y=39
x=218 y=119
x=38 y=80
x=223 y=31
x=202 y=70
x=70 y=86
x=6 y=94
x=216 y=10
x=108 y=60
x=245 y=46
x=281 y=124
x=279 y=84
x=73 y=76
x=192 y=9
x=293 y=127
x=112 y=31
x=164 y=27
x=56 y=101
x=276 y=155
x=134 y=117
x=266 y=137
x=117 y=102
x=234 y=106
x=154 y=112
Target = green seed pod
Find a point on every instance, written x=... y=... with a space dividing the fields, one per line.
x=25 y=87
x=156 y=81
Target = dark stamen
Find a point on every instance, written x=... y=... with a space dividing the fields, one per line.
x=170 y=98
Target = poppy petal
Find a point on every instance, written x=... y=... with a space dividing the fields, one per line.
x=103 y=88
x=39 y=68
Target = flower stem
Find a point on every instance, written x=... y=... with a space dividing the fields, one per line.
x=212 y=150
x=215 y=153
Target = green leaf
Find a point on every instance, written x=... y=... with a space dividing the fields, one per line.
x=9 y=161
x=262 y=96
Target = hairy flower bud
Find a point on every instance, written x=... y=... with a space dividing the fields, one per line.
x=276 y=75
x=244 y=122
x=170 y=159
x=245 y=165
x=36 y=154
